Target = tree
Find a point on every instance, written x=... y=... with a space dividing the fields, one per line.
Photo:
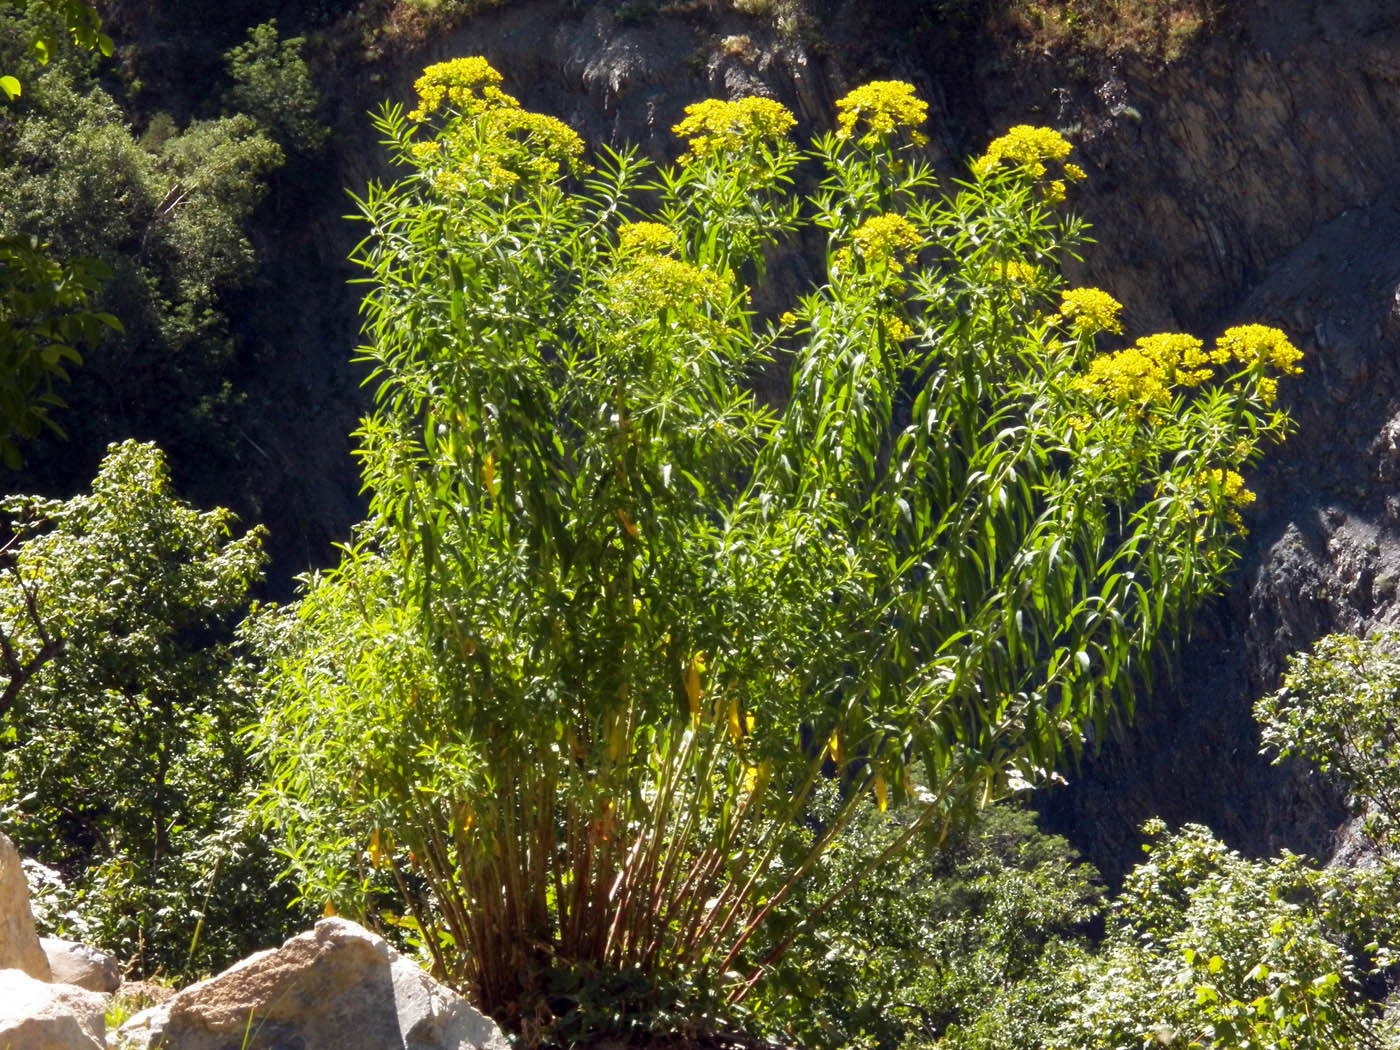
x=1337 y=709
x=613 y=619
x=119 y=764
x=272 y=84
x=43 y=323
x=44 y=319
x=78 y=17
x=166 y=216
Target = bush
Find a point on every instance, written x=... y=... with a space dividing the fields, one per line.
x=931 y=943
x=272 y=84
x=565 y=703
x=119 y=763
x=1340 y=709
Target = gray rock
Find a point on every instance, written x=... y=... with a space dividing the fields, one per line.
x=336 y=987
x=19 y=944
x=37 y=1015
x=80 y=964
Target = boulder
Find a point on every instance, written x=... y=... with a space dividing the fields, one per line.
x=74 y=963
x=19 y=944
x=37 y=1015
x=336 y=987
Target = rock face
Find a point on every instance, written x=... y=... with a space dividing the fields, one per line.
x=36 y=1015
x=80 y=964
x=336 y=987
x=19 y=944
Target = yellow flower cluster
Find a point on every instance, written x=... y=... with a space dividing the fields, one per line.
x=468 y=85
x=1257 y=344
x=1090 y=310
x=522 y=143
x=895 y=329
x=1229 y=484
x=544 y=144
x=882 y=107
x=1028 y=147
x=1019 y=272
x=716 y=127
x=1224 y=485
x=650 y=237
x=650 y=283
x=1147 y=371
x=889 y=238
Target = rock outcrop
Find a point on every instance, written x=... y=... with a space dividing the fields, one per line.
x=336 y=987
x=19 y=944
x=37 y=1015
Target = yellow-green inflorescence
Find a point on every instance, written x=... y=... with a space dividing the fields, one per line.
x=716 y=127
x=889 y=239
x=651 y=237
x=1089 y=311
x=1147 y=371
x=517 y=143
x=1031 y=150
x=465 y=85
x=1152 y=368
x=1226 y=487
x=874 y=112
x=649 y=280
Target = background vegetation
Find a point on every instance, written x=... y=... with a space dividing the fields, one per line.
x=609 y=572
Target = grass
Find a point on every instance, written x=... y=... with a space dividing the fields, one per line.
x=1157 y=30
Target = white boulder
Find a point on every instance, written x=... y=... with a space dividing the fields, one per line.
x=336 y=987
x=37 y=1015
x=19 y=944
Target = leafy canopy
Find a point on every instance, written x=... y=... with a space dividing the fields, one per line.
x=564 y=706
x=119 y=764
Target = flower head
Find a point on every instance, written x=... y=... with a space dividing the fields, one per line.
x=715 y=127
x=648 y=284
x=651 y=237
x=1018 y=272
x=467 y=85
x=1028 y=147
x=540 y=144
x=882 y=107
x=1257 y=344
x=1222 y=487
x=1090 y=310
x=890 y=239
x=1147 y=371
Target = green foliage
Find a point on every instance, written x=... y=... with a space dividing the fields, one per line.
x=1340 y=709
x=119 y=765
x=566 y=702
x=1207 y=949
x=168 y=222
x=1211 y=949
x=44 y=319
x=43 y=323
x=78 y=17
x=931 y=943
x=272 y=84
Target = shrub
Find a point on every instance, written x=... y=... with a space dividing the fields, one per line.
x=564 y=706
x=1338 y=709
x=118 y=759
x=272 y=84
